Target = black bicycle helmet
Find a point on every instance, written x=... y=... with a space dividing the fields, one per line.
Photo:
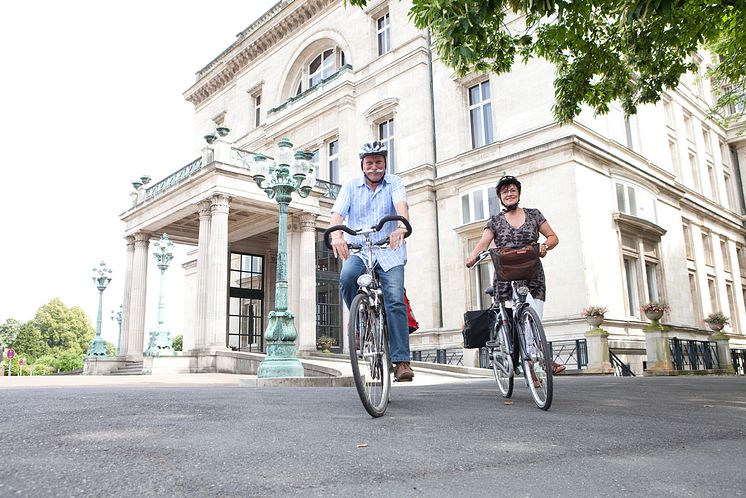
x=508 y=180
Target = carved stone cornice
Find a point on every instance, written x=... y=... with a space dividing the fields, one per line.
x=252 y=43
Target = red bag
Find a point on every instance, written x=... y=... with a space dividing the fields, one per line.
x=411 y=320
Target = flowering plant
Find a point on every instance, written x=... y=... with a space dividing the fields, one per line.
x=325 y=339
x=655 y=307
x=717 y=317
x=594 y=311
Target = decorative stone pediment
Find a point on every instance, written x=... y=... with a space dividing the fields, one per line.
x=283 y=20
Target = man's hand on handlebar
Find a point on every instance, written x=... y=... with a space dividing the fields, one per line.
x=340 y=248
x=396 y=237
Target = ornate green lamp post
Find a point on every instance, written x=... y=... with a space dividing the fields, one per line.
x=279 y=179
x=101 y=278
x=118 y=317
x=160 y=338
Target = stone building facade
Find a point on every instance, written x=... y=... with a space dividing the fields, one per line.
x=648 y=207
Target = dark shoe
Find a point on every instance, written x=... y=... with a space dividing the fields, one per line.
x=403 y=372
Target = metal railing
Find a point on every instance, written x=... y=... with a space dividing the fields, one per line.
x=442 y=356
x=692 y=355
x=621 y=369
x=739 y=360
x=573 y=353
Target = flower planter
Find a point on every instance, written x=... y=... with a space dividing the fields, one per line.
x=717 y=327
x=595 y=321
x=654 y=316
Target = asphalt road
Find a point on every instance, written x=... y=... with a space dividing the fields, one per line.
x=604 y=436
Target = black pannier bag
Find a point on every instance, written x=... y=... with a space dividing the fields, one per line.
x=477 y=326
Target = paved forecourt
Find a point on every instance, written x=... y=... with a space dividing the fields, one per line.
x=604 y=436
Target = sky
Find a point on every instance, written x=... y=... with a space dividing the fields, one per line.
x=91 y=99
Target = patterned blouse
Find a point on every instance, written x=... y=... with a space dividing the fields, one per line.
x=506 y=236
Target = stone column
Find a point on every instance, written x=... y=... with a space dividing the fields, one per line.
x=597 y=344
x=217 y=282
x=203 y=272
x=659 y=355
x=126 y=305
x=306 y=281
x=136 y=325
x=724 y=358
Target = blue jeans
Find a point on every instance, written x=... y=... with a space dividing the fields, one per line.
x=392 y=284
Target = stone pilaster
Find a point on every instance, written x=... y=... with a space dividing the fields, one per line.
x=217 y=283
x=126 y=299
x=203 y=272
x=597 y=344
x=306 y=279
x=724 y=358
x=136 y=341
x=656 y=345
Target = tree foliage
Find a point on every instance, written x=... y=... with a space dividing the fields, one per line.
x=604 y=50
x=63 y=328
x=9 y=332
x=30 y=342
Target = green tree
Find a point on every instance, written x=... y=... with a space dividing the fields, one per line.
x=9 y=331
x=178 y=342
x=70 y=360
x=30 y=342
x=603 y=50
x=111 y=349
x=64 y=329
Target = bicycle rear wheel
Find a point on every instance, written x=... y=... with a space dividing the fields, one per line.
x=537 y=363
x=502 y=364
x=369 y=355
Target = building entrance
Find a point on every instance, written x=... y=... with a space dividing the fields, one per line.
x=246 y=303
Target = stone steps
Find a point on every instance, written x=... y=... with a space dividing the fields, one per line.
x=132 y=368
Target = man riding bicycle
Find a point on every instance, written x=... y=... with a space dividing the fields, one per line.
x=362 y=202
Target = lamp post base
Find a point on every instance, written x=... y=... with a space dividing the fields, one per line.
x=281 y=360
x=160 y=344
x=97 y=347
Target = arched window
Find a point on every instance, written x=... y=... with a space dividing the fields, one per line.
x=320 y=67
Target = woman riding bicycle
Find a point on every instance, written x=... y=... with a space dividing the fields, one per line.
x=513 y=228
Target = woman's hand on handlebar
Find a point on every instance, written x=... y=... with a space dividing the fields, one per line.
x=340 y=248
x=470 y=261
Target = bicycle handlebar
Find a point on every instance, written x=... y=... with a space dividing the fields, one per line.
x=361 y=231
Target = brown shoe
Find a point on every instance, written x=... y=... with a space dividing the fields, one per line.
x=403 y=372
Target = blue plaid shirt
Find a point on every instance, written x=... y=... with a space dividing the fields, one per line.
x=363 y=207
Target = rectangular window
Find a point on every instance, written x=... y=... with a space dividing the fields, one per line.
x=714 y=305
x=651 y=270
x=478 y=202
x=713 y=182
x=257 y=109
x=707 y=246
x=673 y=149
x=626 y=199
x=383 y=30
x=630 y=275
x=729 y=190
x=707 y=140
x=741 y=257
x=334 y=161
x=726 y=255
x=696 y=300
x=694 y=168
x=315 y=161
x=733 y=309
x=386 y=135
x=668 y=110
x=689 y=126
x=688 y=242
x=480 y=114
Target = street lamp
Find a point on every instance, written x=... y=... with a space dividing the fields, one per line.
x=118 y=317
x=220 y=131
x=101 y=278
x=279 y=179
x=160 y=338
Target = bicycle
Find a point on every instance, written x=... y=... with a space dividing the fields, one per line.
x=522 y=323
x=367 y=330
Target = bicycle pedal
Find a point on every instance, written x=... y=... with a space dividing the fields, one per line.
x=492 y=344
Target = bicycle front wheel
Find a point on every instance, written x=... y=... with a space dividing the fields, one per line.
x=537 y=362
x=369 y=355
x=502 y=364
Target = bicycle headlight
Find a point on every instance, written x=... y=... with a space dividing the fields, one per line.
x=522 y=290
x=364 y=280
